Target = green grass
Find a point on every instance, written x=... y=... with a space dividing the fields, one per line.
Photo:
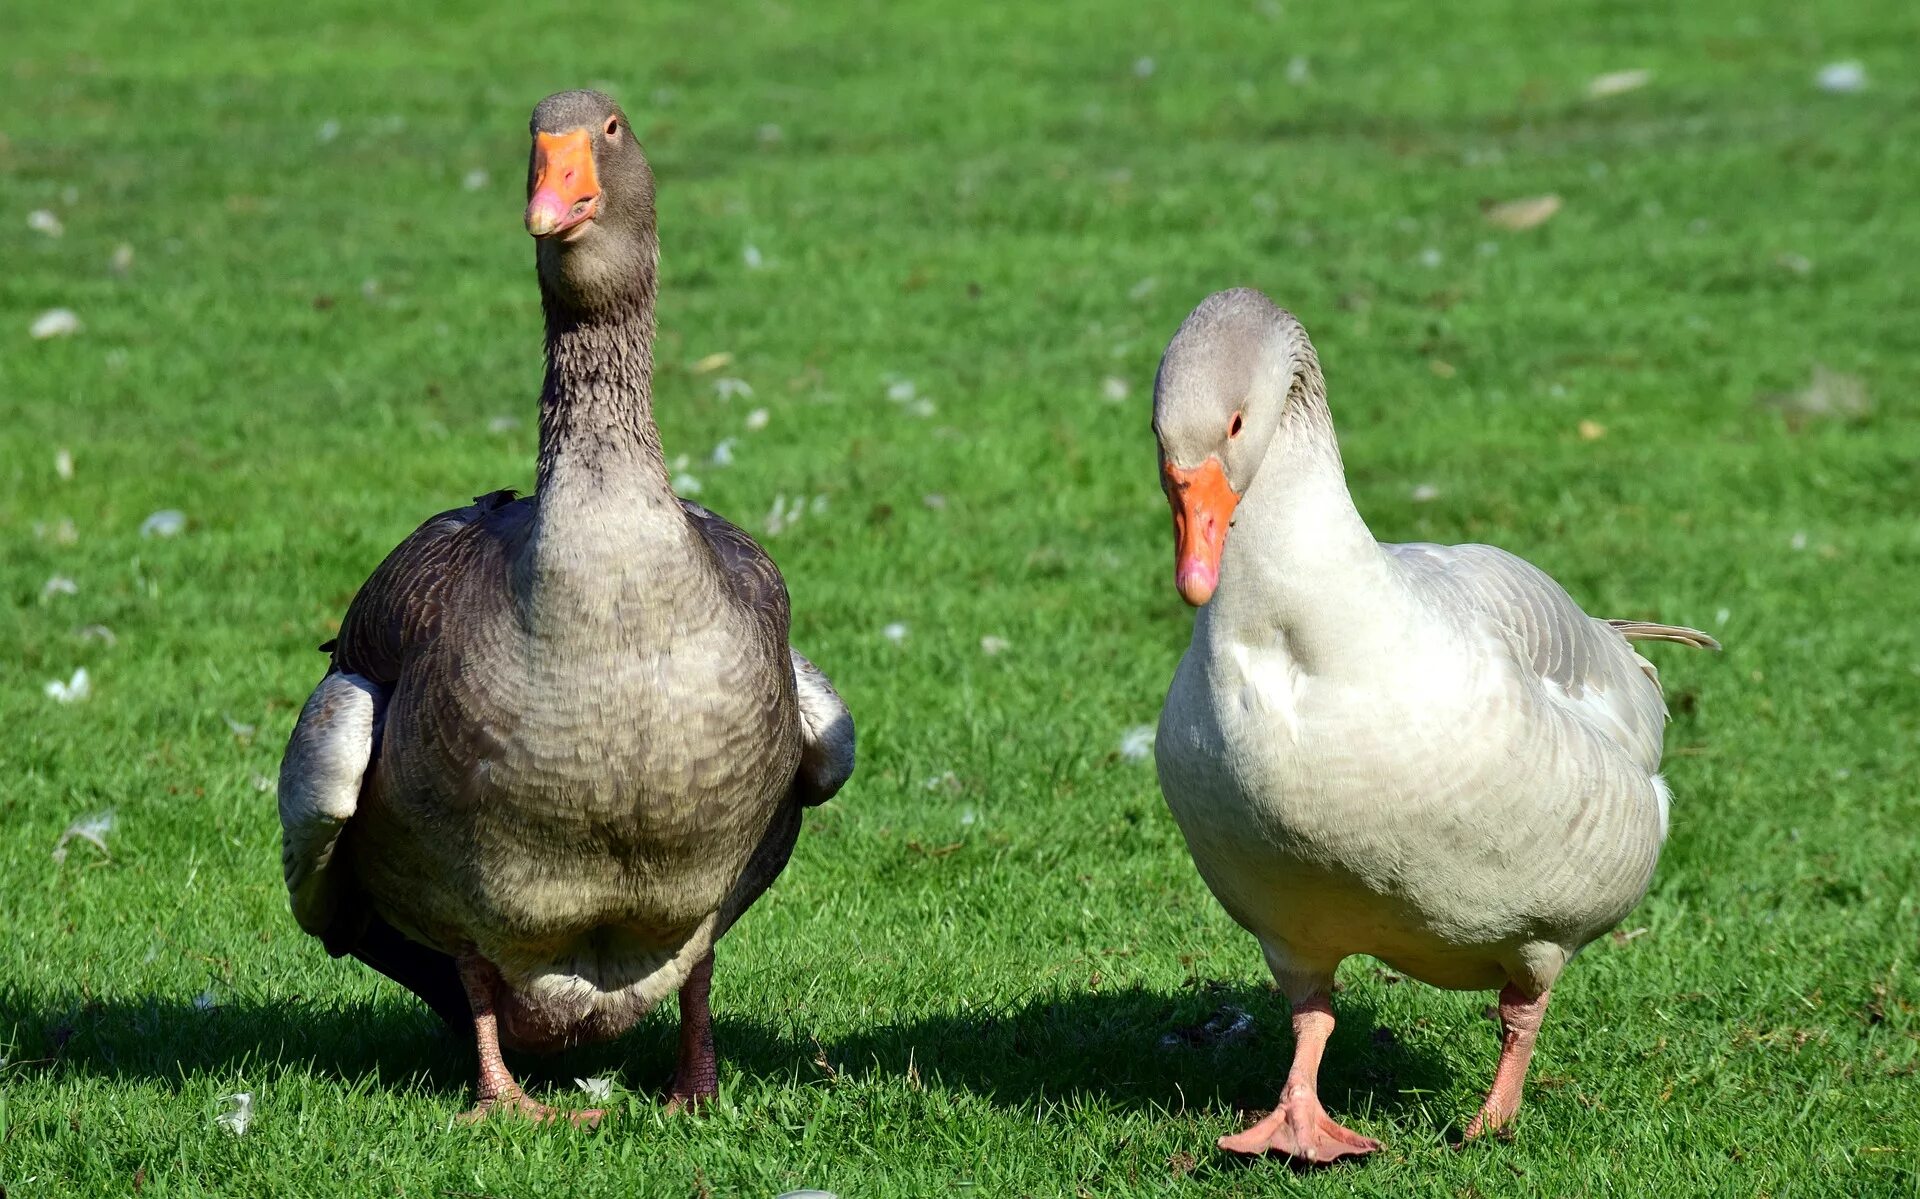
x=962 y=987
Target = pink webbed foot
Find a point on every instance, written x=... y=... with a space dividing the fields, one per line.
x=497 y=1094
x=517 y=1105
x=1301 y=1129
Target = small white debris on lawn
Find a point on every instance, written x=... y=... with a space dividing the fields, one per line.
x=1798 y=541
x=730 y=387
x=58 y=585
x=685 y=484
x=1425 y=493
x=262 y=783
x=237 y=728
x=100 y=633
x=122 y=260
x=1299 y=70
x=1137 y=744
x=1842 y=77
x=72 y=691
x=968 y=818
x=770 y=134
x=900 y=390
x=476 y=180
x=787 y=511
x=806 y=1193
x=1525 y=213
x=723 y=453
x=1114 y=388
x=1143 y=68
x=757 y=420
x=991 y=645
x=922 y=407
x=168 y=522
x=946 y=780
x=239 y=1116
x=597 y=1089
x=1829 y=393
x=934 y=500
x=1227 y=1026
x=1431 y=257
x=60 y=532
x=91 y=829
x=750 y=254
x=369 y=288
x=63 y=462
x=1618 y=83
x=54 y=322
x=503 y=424
x=1722 y=616
x=327 y=132
x=895 y=632
x=42 y=220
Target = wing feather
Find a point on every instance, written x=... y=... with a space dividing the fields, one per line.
x=320 y=778
x=1582 y=664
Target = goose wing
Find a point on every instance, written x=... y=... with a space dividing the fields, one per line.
x=453 y=561
x=826 y=726
x=1582 y=664
x=337 y=736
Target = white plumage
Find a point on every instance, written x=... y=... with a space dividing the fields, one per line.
x=1424 y=753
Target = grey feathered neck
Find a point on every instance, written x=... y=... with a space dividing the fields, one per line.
x=596 y=406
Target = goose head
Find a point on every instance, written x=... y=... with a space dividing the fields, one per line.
x=1237 y=392
x=590 y=204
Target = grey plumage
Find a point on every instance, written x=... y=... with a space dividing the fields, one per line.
x=564 y=734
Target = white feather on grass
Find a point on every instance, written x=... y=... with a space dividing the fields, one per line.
x=54 y=322
x=73 y=690
x=238 y=1118
x=168 y=522
x=91 y=829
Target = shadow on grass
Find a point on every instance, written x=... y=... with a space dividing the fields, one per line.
x=1133 y=1049
x=395 y=1043
x=1137 y=1049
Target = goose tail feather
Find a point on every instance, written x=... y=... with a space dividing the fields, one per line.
x=1641 y=630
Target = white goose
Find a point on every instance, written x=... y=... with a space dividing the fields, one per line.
x=1424 y=753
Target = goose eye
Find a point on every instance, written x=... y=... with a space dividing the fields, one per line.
x=613 y=126
x=1233 y=429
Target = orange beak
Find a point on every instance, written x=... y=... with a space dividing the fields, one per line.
x=566 y=189
x=1203 y=504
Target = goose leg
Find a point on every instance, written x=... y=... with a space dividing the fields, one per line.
x=1519 y=1026
x=1299 y=1127
x=497 y=1092
x=696 y=1076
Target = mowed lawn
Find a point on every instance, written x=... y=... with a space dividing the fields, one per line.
x=943 y=247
